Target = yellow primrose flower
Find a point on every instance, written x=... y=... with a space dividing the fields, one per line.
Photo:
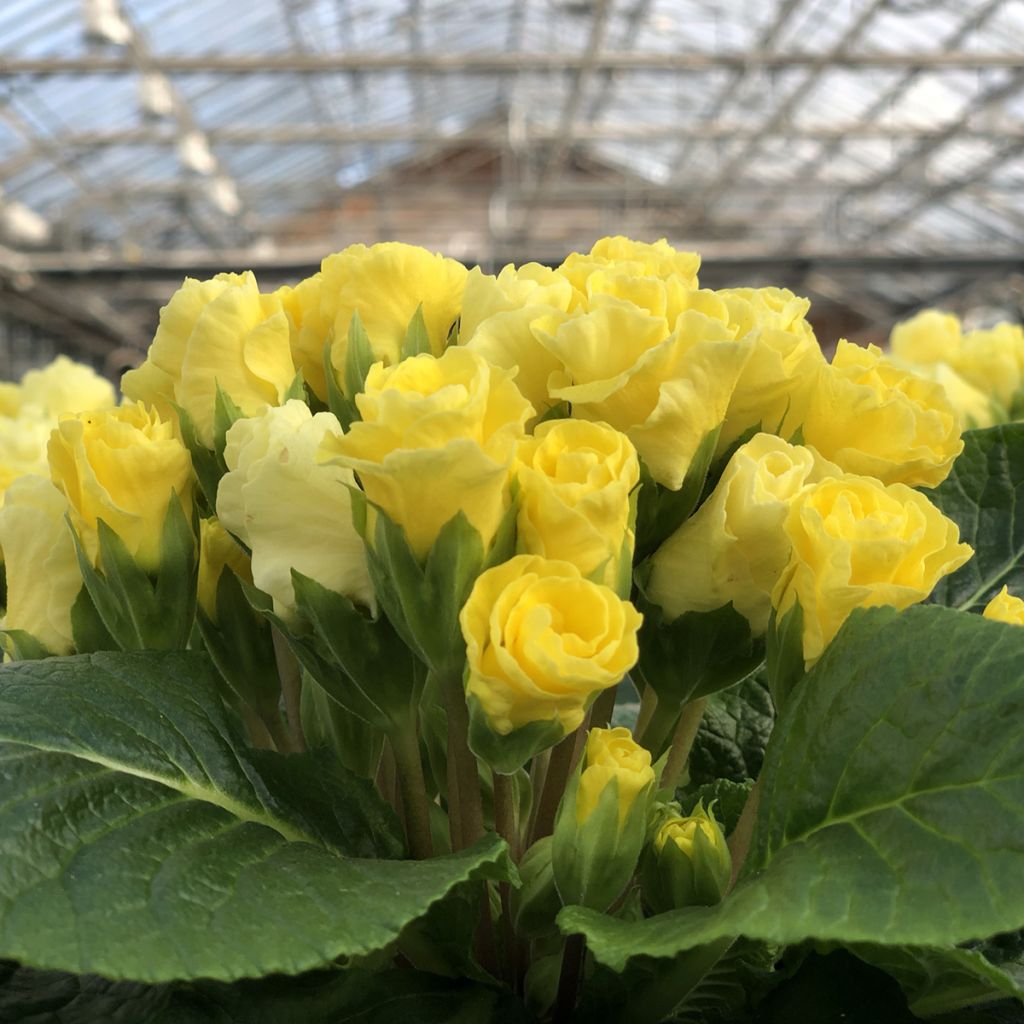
x=220 y=332
x=22 y=447
x=65 y=386
x=575 y=479
x=309 y=329
x=292 y=511
x=542 y=642
x=612 y=754
x=993 y=360
x=121 y=465
x=43 y=577
x=734 y=548
x=385 y=284
x=1004 y=607
x=930 y=336
x=872 y=417
x=636 y=259
x=436 y=437
x=218 y=552
x=857 y=543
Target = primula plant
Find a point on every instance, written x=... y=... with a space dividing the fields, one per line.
x=566 y=644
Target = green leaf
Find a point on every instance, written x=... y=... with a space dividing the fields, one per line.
x=141 y=840
x=942 y=980
x=343 y=408
x=359 y=357
x=20 y=645
x=208 y=466
x=297 y=389
x=895 y=773
x=733 y=734
x=723 y=796
x=981 y=496
x=225 y=415
x=417 y=341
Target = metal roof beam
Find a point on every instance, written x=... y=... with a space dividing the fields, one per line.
x=12 y=65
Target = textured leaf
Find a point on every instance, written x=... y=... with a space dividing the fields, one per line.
x=140 y=840
x=980 y=495
x=727 y=798
x=892 y=805
x=733 y=734
x=942 y=980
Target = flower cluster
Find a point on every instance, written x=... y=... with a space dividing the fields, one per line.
x=452 y=511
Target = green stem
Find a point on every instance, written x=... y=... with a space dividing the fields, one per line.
x=682 y=742
x=604 y=706
x=538 y=775
x=739 y=841
x=463 y=776
x=505 y=812
x=648 y=702
x=560 y=764
x=256 y=729
x=573 y=954
x=656 y=1000
x=658 y=729
x=291 y=687
x=415 y=805
x=284 y=740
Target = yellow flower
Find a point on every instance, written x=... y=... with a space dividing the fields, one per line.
x=122 y=466
x=10 y=399
x=1004 y=607
x=542 y=642
x=872 y=417
x=777 y=381
x=575 y=479
x=218 y=551
x=857 y=543
x=734 y=547
x=292 y=511
x=436 y=437
x=43 y=577
x=612 y=754
x=309 y=330
x=22 y=447
x=974 y=407
x=683 y=833
x=385 y=284
x=637 y=259
x=497 y=322
x=992 y=360
x=220 y=332
x=929 y=337
x=65 y=386
x=664 y=389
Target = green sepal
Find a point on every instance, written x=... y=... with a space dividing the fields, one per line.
x=225 y=415
x=423 y=601
x=241 y=646
x=559 y=411
x=87 y=628
x=507 y=753
x=207 y=465
x=416 y=341
x=343 y=408
x=20 y=645
x=359 y=357
x=536 y=903
x=296 y=390
x=785 y=653
x=142 y=611
x=593 y=862
x=384 y=680
x=660 y=511
x=325 y=723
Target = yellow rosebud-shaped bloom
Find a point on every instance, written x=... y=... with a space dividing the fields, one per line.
x=291 y=510
x=218 y=551
x=930 y=336
x=974 y=407
x=218 y=333
x=65 y=386
x=385 y=284
x=436 y=438
x=734 y=548
x=612 y=754
x=122 y=466
x=872 y=417
x=542 y=642
x=777 y=381
x=22 y=447
x=498 y=314
x=575 y=479
x=993 y=360
x=857 y=543
x=1004 y=607
x=309 y=330
x=43 y=577
x=664 y=389
x=637 y=259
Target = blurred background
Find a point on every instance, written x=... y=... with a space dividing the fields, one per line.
x=865 y=153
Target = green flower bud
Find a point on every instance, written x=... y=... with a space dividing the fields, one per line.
x=687 y=862
x=536 y=902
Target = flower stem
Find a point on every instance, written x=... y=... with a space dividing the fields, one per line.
x=682 y=742
x=467 y=825
x=560 y=765
x=415 y=805
x=573 y=955
x=648 y=702
x=291 y=687
x=505 y=812
x=739 y=841
x=601 y=712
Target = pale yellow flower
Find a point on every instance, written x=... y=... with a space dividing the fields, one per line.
x=218 y=552
x=612 y=754
x=1005 y=607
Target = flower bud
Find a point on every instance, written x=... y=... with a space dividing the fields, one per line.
x=687 y=863
x=601 y=821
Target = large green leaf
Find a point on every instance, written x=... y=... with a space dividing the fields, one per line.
x=140 y=839
x=892 y=805
x=981 y=496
